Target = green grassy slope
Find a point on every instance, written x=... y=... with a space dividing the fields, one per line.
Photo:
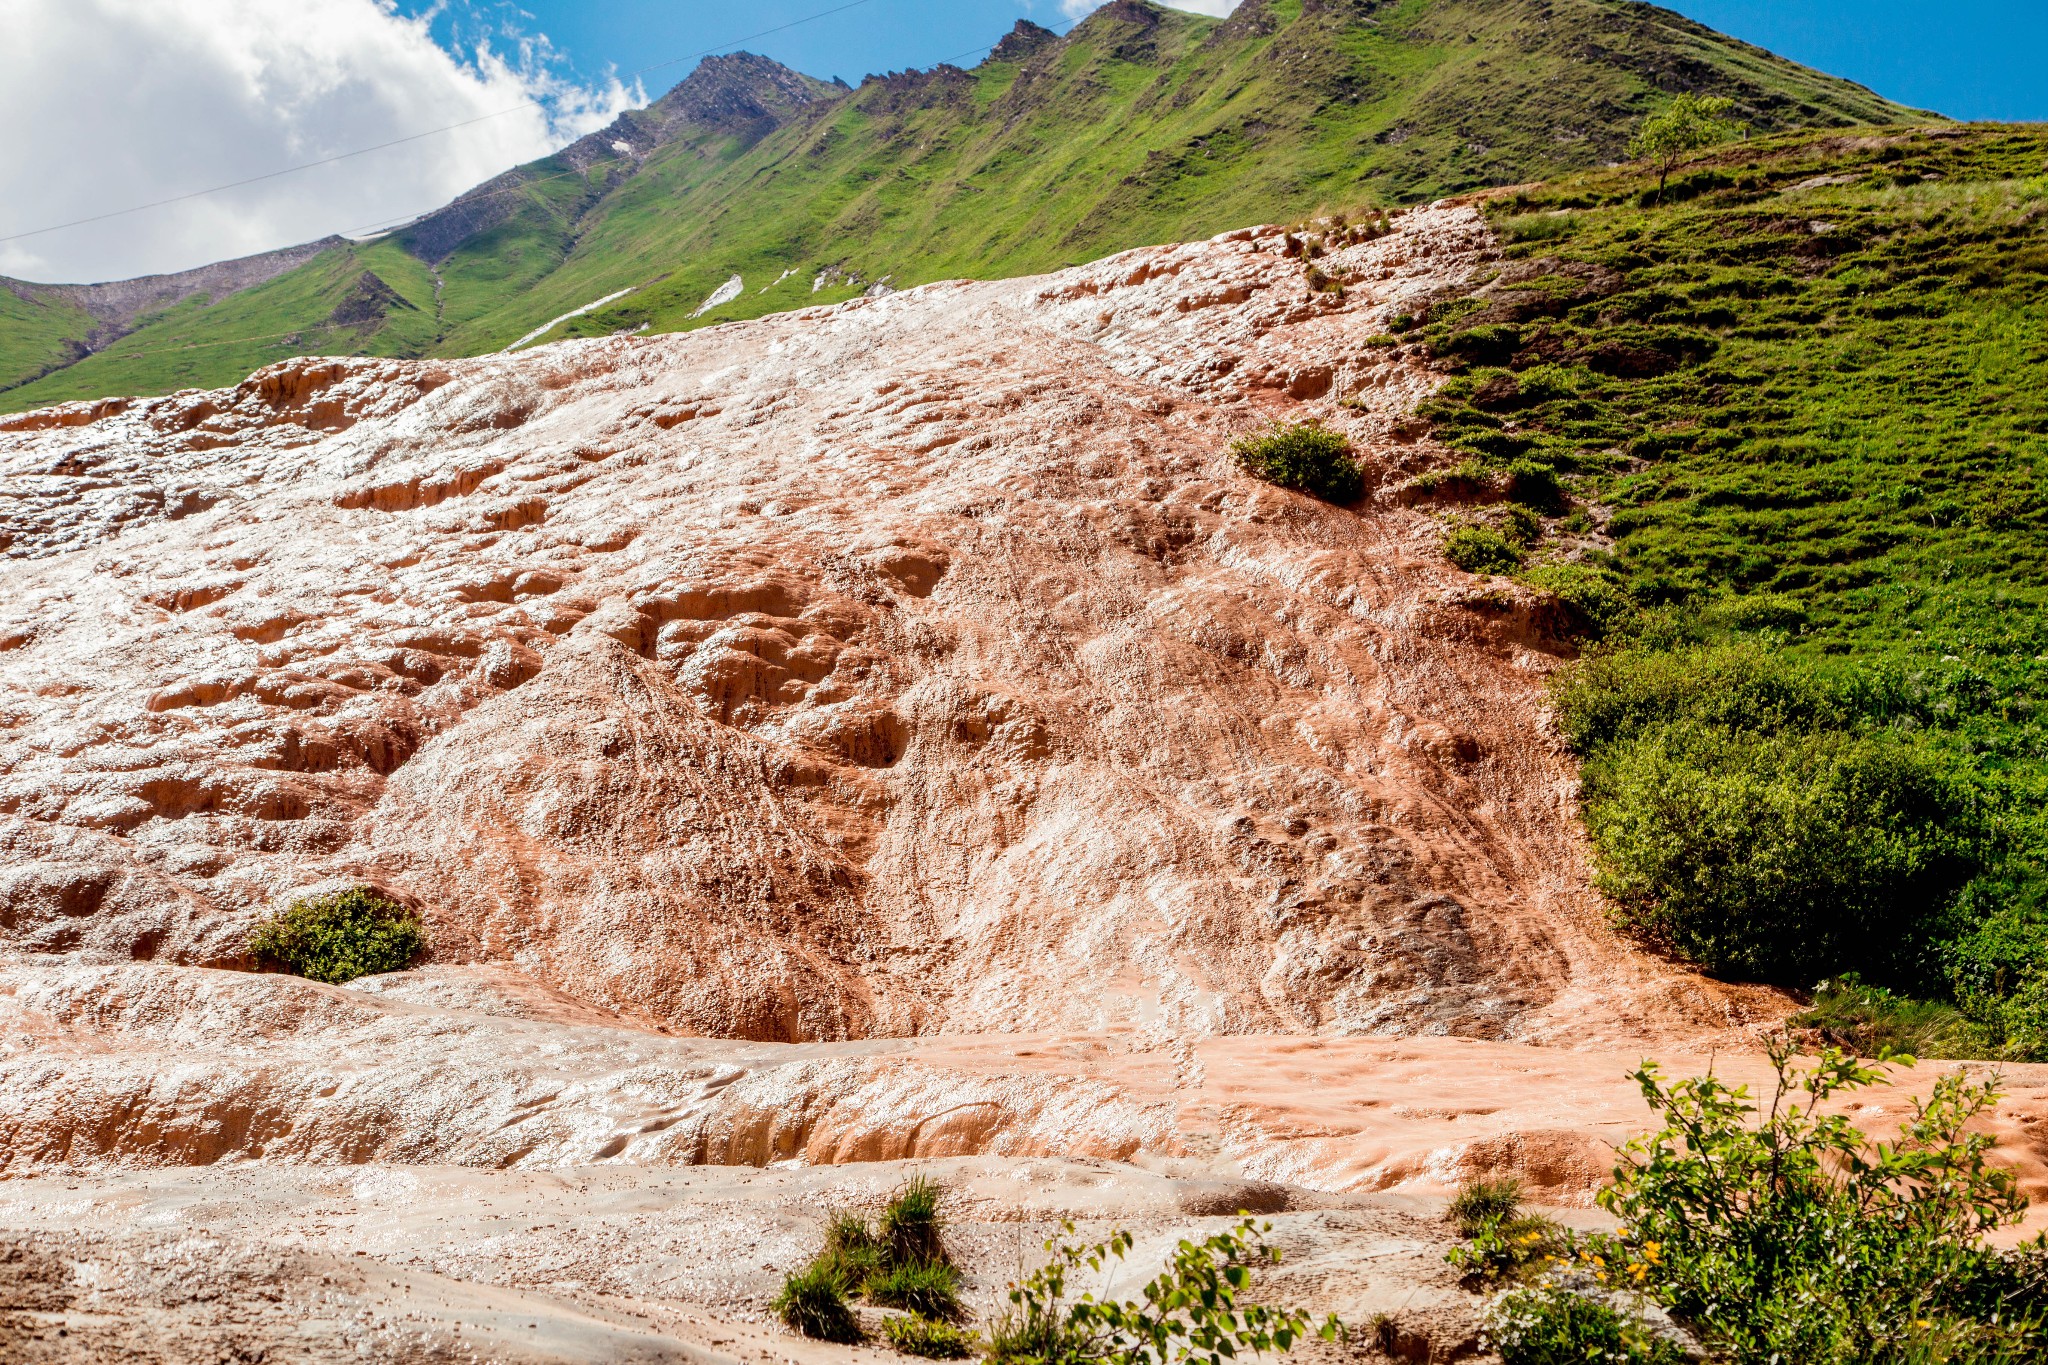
x=1142 y=125
x=1799 y=414
x=1150 y=125
x=333 y=305
x=38 y=334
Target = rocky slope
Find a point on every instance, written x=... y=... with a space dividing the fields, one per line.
x=887 y=733
x=821 y=678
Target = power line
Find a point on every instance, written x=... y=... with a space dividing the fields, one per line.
x=415 y=137
x=521 y=188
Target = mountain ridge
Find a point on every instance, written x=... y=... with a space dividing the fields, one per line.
x=1142 y=124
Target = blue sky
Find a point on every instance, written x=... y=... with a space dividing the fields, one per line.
x=1965 y=58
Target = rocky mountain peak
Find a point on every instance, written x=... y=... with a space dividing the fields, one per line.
x=1022 y=42
x=739 y=92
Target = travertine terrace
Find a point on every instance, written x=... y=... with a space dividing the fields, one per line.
x=890 y=732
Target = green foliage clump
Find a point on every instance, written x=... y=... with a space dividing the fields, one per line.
x=1868 y=1021
x=338 y=937
x=1598 y=601
x=1480 y=1202
x=912 y=1225
x=1501 y=1242
x=929 y=1289
x=852 y=1251
x=1551 y=1325
x=1680 y=130
x=1307 y=457
x=902 y=1263
x=813 y=1304
x=1193 y=1310
x=1779 y=857
x=1782 y=1233
x=933 y=1340
x=1481 y=549
x=1778 y=1232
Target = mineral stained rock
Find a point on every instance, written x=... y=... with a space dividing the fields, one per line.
x=917 y=664
x=888 y=737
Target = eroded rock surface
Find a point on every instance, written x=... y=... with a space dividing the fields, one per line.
x=916 y=664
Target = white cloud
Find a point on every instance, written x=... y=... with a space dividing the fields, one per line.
x=114 y=103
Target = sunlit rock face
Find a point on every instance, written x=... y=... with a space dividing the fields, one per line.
x=920 y=663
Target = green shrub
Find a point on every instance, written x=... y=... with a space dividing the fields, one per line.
x=915 y=1336
x=1481 y=549
x=1551 y=1325
x=1193 y=1310
x=1501 y=1242
x=913 y=1228
x=1307 y=457
x=339 y=937
x=1535 y=485
x=1479 y=1202
x=1871 y=1021
x=1785 y=858
x=1779 y=1232
x=1619 y=695
x=813 y=1304
x=1596 y=598
x=928 y=1288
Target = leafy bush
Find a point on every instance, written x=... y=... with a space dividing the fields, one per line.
x=1191 y=1310
x=813 y=1303
x=1551 y=1325
x=1481 y=549
x=1784 y=858
x=1501 y=1242
x=1783 y=1234
x=1307 y=457
x=1598 y=601
x=915 y=1336
x=928 y=1288
x=339 y=937
x=1535 y=485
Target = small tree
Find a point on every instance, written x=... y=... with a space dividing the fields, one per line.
x=1689 y=124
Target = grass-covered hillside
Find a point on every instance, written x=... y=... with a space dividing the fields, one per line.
x=1143 y=124
x=1783 y=440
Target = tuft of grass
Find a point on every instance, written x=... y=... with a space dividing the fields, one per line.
x=928 y=1288
x=913 y=1227
x=339 y=937
x=1306 y=457
x=813 y=1304
x=1482 y=1201
x=1868 y=1021
x=933 y=1340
